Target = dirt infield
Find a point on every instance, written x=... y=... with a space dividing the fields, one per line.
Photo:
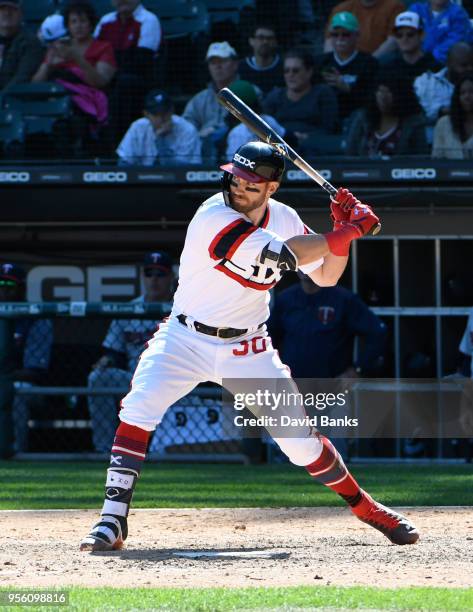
x=248 y=547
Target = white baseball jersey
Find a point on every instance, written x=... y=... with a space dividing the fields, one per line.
x=466 y=344
x=222 y=281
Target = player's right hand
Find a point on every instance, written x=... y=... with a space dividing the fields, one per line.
x=363 y=218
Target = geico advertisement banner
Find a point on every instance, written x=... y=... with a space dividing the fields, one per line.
x=77 y=283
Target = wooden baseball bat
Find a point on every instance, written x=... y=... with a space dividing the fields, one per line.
x=258 y=125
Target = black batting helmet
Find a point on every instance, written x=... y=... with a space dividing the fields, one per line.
x=256 y=162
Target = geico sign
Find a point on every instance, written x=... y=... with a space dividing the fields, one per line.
x=202 y=176
x=14 y=177
x=298 y=175
x=413 y=173
x=105 y=177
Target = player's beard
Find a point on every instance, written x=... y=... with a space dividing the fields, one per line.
x=244 y=206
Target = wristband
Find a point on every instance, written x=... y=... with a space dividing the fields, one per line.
x=339 y=240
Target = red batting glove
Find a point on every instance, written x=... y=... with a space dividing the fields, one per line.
x=361 y=221
x=341 y=205
x=363 y=217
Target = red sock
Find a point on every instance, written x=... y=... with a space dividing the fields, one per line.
x=330 y=470
x=131 y=441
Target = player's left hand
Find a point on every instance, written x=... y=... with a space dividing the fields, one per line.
x=341 y=206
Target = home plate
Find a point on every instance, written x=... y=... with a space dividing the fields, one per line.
x=234 y=554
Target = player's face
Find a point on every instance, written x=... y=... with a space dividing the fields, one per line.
x=158 y=286
x=245 y=196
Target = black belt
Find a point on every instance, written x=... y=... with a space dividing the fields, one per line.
x=220 y=332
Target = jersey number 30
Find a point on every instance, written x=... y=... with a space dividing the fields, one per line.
x=256 y=345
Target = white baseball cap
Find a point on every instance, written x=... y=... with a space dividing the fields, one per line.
x=408 y=19
x=53 y=28
x=221 y=49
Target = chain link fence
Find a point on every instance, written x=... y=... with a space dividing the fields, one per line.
x=65 y=368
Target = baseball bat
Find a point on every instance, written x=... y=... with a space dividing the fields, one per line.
x=258 y=125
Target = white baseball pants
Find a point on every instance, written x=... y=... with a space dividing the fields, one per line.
x=178 y=359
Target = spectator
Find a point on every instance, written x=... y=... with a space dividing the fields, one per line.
x=20 y=52
x=308 y=111
x=409 y=60
x=33 y=340
x=83 y=65
x=376 y=18
x=348 y=71
x=391 y=124
x=160 y=137
x=434 y=89
x=453 y=134
x=135 y=35
x=203 y=110
x=264 y=68
x=294 y=19
x=123 y=345
x=314 y=328
x=239 y=134
x=445 y=24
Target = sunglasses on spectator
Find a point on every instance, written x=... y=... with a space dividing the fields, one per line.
x=8 y=283
x=405 y=34
x=150 y=272
x=341 y=34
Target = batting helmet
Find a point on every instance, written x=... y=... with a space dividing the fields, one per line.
x=256 y=162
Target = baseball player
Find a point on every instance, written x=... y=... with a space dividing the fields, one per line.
x=123 y=344
x=237 y=246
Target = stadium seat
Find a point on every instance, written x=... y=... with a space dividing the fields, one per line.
x=12 y=131
x=35 y=11
x=224 y=10
x=180 y=18
x=40 y=104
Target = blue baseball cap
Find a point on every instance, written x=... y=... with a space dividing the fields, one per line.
x=158 y=260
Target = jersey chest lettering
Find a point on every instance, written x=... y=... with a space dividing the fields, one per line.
x=256 y=276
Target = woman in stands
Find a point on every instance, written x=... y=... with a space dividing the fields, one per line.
x=392 y=123
x=83 y=65
x=453 y=134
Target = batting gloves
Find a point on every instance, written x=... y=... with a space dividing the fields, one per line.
x=341 y=205
x=361 y=221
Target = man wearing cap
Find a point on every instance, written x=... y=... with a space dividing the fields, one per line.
x=160 y=137
x=376 y=19
x=20 y=51
x=409 y=60
x=203 y=110
x=445 y=24
x=135 y=35
x=347 y=70
x=33 y=339
x=123 y=344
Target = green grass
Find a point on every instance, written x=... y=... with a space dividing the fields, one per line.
x=221 y=599
x=80 y=485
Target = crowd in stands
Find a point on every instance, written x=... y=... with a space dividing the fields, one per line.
x=374 y=78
